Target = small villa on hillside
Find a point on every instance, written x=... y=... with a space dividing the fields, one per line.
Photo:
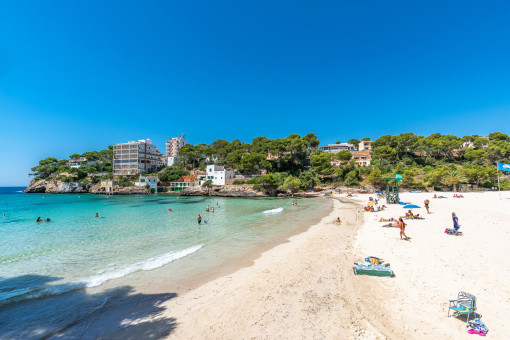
x=151 y=181
x=217 y=174
x=335 y=148
x=361 y=158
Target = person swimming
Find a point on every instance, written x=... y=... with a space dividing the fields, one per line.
x=39 y=219
x=97 y=215
x=207 y=209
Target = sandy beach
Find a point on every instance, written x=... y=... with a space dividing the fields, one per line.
x=305 y=288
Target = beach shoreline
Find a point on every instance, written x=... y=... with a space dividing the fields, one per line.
x=268 y=288
x=305 y=287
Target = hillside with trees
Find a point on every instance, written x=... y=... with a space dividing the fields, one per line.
x=295 y=163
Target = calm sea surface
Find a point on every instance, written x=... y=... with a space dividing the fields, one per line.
x=47 y=269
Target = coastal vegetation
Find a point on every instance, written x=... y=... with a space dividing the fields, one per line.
x=296 y=163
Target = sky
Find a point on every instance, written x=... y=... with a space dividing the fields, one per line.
x=77 y=76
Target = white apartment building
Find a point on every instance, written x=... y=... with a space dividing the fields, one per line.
x=174 y=144
x=131 y=158
x=335 y=148
x=217 y=174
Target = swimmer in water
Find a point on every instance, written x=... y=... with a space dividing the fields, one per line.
x=39 y=219
x=97 y=215
x=199 y=219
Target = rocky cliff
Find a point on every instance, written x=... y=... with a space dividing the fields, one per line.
x=55 y=187
x=59 y=187
x=224 y=191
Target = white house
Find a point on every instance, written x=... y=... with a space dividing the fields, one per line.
x=171 y=160
x=217 y=174
x=151 y=181
x=335 y=148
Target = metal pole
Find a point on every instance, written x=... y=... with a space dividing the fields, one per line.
x=499 y=187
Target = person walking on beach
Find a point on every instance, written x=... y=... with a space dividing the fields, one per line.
x=402 y=229
x=456 y=224
x=199 y=219
x=427 y=202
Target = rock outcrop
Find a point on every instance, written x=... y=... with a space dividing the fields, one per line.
x=55 y=187
x=36 y=186
x=244 y=190
x=59 y=187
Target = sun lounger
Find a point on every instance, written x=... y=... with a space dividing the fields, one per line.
x=372 y=270
x=465 y=304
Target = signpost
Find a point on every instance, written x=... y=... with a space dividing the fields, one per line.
x=502 y=167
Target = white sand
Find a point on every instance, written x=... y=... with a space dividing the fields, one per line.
x=432 y=267
x=305 y=289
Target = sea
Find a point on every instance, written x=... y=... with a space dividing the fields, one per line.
x=65 y=277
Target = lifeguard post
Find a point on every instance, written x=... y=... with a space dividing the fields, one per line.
x=392 y=196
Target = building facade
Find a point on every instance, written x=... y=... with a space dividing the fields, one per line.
x=151 y=181
x=361 y=158
x=174 y=144
x=365 y=145
x=131 y=158
x=217 y=174
x=171 y=160
x=335 y=148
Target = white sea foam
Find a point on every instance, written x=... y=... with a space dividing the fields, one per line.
x=273 y=211
x=97 y=280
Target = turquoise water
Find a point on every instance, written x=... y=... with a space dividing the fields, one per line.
x=47 y=263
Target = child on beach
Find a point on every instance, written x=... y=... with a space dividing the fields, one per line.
x=403 y=229
x=427 y=202
x=456 y=224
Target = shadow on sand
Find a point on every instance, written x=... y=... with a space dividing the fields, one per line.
x=81 y=313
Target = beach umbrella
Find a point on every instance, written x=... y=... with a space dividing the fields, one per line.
x=411 y=206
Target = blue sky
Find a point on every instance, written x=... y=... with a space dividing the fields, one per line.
x=77 y=76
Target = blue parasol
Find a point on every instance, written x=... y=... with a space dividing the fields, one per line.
x=411 y=206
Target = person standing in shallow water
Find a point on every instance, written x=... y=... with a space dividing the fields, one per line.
x=199 y=219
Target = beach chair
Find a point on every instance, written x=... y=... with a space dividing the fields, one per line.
x=465 y=304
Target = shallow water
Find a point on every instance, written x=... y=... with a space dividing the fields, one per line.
x=48 y=266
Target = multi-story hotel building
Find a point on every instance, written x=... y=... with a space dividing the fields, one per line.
x=131 y=158
x=174 y=144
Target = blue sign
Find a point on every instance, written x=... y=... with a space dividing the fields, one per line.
x=503 y=166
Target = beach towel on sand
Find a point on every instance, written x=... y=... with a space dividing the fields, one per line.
x=451 y=231
x=372 y=270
